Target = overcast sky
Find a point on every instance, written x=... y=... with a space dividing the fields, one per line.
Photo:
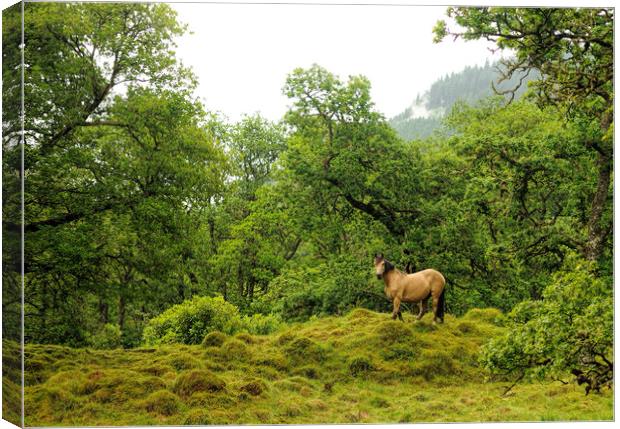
x=243 y=53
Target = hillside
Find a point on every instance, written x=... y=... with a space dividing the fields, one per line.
x=424 y=115
x=361 y=367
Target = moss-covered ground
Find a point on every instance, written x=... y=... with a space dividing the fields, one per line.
x=358 y=368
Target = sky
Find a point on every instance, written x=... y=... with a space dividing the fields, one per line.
x=243 y=53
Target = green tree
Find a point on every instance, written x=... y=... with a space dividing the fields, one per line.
x=573 y=50
x=120 y=166
x=250 y=238
x=346 y=150
x=569 y=331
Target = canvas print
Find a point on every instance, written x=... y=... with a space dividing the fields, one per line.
x=228 y=214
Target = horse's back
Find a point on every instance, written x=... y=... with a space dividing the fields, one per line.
x=433 y=277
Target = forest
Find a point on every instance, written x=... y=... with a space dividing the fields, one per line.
x=470 y=85
x=150 y=221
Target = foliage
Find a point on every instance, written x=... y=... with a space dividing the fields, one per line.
x=569 y=331
x=197 y=319
x=141 y=207
x=572 y=47
x=191 y=320
x=120 y=163
x=262 y=324
x=109 y=337
x=332 y=287
x=573 y=50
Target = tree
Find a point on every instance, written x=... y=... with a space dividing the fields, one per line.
x=573 y=50
x=525 y=176
x=345 y=149
x=250 y=236
x=120 y=166
x=569 y=331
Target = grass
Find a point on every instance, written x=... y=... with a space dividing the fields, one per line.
x=358 y=368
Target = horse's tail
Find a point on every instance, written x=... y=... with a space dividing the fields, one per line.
x=441 y=305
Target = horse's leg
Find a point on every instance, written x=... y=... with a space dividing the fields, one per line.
x=435 y=307
x=400 y=316
x=396 y=310
x=422 y=305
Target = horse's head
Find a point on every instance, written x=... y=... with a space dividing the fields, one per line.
x=382 y=265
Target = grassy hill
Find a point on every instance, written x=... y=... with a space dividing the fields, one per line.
x=361 y=367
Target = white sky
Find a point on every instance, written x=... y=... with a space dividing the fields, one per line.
x=243 y=53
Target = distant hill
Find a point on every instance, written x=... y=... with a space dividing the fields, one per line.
x=424 y=115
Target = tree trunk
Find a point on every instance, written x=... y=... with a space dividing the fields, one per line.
x=103 y=311
x=121 y=312
x=597 y=233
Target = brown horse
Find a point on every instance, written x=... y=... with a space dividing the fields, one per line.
x=415 y=288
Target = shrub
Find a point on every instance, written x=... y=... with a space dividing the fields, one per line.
x=190 y=321
x=262 y=324
x=332 y=287
x=197 y=380
x=162 y=402
x=569 y=331
x=108 y=337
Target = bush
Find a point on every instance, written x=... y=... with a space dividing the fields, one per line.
x=332 y=287
x=108 y=337
x=191 y=321
x=262 y=324
x=569 y=331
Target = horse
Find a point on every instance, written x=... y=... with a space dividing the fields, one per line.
x=414 y=288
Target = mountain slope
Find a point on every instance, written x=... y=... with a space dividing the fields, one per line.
x=362 y=367
x=470 y=85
